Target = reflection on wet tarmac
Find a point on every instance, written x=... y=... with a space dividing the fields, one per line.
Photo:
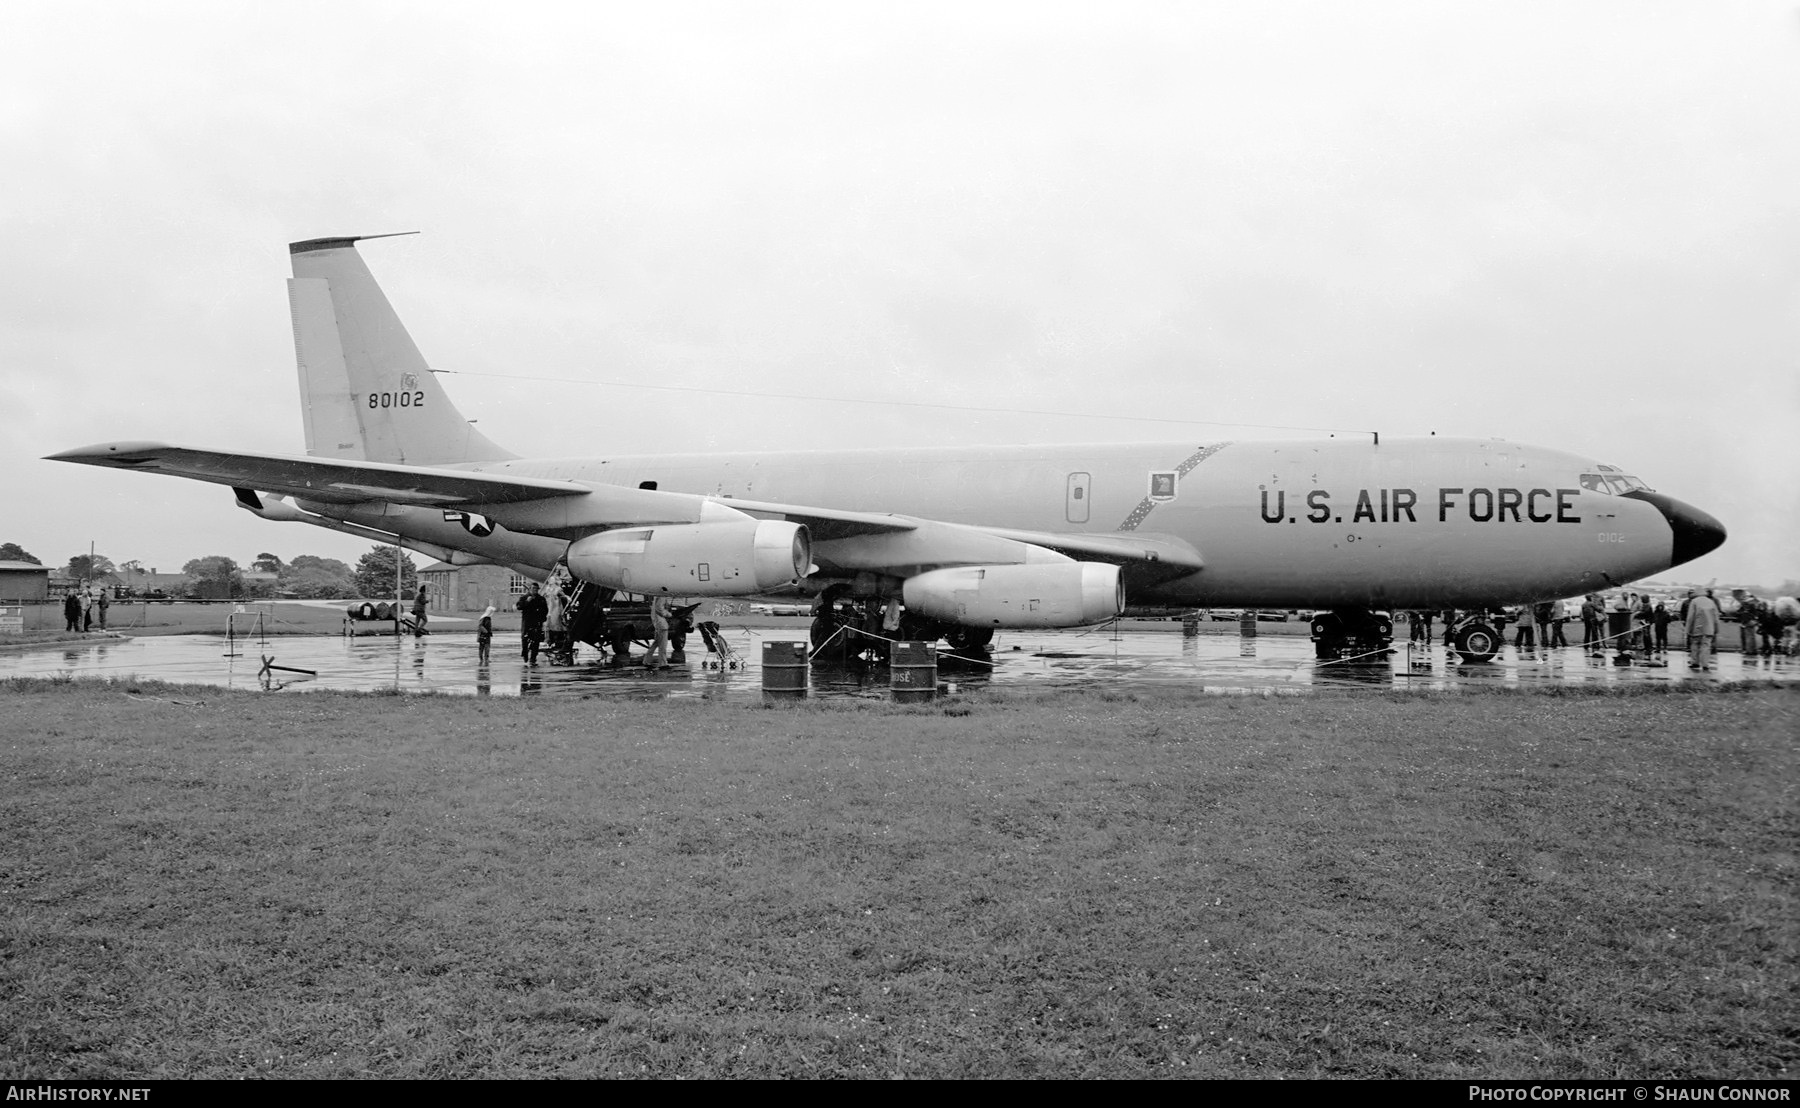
x=1092 y=658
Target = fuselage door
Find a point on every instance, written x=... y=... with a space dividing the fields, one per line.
x=1077 y=499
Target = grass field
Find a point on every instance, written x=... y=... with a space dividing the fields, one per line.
x=206 y=884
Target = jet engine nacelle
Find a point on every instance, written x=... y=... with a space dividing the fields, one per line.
x=721 y=558
x=1061 y=594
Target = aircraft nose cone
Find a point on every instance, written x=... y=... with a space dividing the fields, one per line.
x=1695 y=532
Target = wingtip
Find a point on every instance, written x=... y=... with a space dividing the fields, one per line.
x=101 y=451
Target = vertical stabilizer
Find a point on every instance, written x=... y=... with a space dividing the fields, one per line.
x=365 y=389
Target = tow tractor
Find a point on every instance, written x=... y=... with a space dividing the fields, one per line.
x=1350 y=633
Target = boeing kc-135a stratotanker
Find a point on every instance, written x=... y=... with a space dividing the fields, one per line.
x=966 y=539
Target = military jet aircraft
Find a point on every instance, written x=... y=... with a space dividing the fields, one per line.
x=967 y=540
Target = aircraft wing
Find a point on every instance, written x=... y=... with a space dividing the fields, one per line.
x=335 y=480
x=1146 y=558
x=898 y=541
x=825 y=524
x=1176 y=558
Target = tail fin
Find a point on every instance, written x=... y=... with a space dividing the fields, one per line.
x=365 y=389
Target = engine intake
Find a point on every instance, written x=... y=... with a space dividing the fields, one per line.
x=1062 y=594
x=724 y=558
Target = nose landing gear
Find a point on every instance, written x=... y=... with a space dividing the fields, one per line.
x=1475 y=641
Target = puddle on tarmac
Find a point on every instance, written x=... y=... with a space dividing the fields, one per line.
x=1221 y=664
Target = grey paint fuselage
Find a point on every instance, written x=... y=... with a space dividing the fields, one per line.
x=1336 y=523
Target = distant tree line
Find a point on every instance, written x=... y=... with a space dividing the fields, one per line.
x=307 y=577
x=217 y=577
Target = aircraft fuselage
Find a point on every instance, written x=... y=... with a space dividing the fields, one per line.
x=1341 y=523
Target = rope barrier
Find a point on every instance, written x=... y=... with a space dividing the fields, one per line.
x=1353 y=657
x=884 y=638
x=817 y=650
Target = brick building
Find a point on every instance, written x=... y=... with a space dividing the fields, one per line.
x=470 y=588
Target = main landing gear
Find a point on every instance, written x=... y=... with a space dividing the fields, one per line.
x=969 y=640
x=844 y=628
x=1350 y=633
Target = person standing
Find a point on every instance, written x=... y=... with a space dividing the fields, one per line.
x=72 y=610
x=102 y=602
x=1590 y=623
x=659 y=625
x=484 y=635
x=1660 y=620
x=1541 y=615
x=1768 y=624
x=1646 y=617
x=87 y=609
x=532 y=613
x=1525 y=641
x=1749 y=614
x=1559 y=615
x=419 y=608
x=1702 y=627
x=555 y=627
x=1421 y=625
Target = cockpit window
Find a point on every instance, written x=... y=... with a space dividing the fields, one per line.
x=1612 y=481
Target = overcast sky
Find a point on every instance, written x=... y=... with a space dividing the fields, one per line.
x=1575 y=225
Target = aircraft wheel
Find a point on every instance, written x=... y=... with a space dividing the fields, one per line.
x=1477 y=642
x=1328 y=636
x=970 y=638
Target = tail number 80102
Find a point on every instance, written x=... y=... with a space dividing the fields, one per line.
x=396 y=400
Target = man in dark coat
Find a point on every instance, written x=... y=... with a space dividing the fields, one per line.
x=533 y=611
